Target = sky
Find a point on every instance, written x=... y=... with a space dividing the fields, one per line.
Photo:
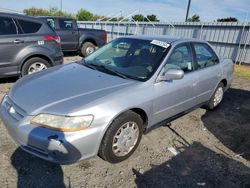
x=166 y=10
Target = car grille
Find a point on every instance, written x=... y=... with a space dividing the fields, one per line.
x=14 y=111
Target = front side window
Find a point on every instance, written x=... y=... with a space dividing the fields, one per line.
x=205 y=56
x=28 y=26
x=132 y=58
x=7 y=26
x=180 y=58
x=65 y=24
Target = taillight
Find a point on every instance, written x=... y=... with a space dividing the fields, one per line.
x=105 y=36
x=57 y=39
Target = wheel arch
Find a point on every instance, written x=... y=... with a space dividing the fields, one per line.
x=224 y=81
x=33 y=56
x=142 y=113
x=89 y=40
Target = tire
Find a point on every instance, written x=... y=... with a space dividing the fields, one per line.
x=110 y=148
x=87 y=48
x=32 y=65
x=216 y=98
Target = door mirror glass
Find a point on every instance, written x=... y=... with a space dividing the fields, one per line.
x=171 y=74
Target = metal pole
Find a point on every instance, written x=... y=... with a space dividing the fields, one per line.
x=189 y=2
x=241 y=37
x=244 y=48
x=61 y=5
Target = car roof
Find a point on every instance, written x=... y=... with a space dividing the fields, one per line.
x=164 y=38
x=20 y=16
x=61 y=17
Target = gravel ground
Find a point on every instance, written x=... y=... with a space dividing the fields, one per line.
x=213 y=147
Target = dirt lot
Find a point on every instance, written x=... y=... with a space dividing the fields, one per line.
x=214 y=152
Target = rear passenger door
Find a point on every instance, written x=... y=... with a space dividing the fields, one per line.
x=69 y=34
x=10 y=45
x=207 y=70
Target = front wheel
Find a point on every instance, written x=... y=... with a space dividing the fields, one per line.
x=122 y=138
x=217 y=97
x=33 y=65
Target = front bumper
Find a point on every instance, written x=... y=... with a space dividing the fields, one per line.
x=55 y=146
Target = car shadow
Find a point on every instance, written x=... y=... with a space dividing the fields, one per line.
x=8 y=80
x=196 y=166
x=70 y=54
x=35 y=172
x=230 y=122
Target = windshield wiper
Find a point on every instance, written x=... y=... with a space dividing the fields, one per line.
x=89 y=65
x=114 y=72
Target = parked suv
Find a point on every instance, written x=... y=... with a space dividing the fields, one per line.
x=27 y=45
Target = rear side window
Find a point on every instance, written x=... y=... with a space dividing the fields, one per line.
x=205 y=56
x=51 y=22
x=29 y=27
x=7 y=26
x=65 y=24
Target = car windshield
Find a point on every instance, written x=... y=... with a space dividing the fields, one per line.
x=129 y=58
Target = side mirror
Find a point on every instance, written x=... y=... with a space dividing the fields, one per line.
x=171 y=74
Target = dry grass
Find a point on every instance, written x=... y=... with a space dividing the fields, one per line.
x=242 y=71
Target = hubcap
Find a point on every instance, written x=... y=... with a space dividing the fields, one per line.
x=125 y=139
x=36 y=67
x=218 y=96
x=89 y=50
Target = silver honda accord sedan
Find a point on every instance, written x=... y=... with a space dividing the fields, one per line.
x=102 y=105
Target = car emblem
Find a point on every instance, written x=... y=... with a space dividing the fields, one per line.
x=12 y=110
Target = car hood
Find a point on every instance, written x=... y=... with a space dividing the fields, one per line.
x=63 y=89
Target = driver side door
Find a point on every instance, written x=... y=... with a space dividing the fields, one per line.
x=176 y=96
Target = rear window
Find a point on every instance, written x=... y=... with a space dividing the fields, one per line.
x=7 y=26
x=28 y=26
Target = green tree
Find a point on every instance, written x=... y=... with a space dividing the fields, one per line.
x=152 y=18
x=33 y=11
x=138 y=17
x=228 y=19
x=53 y=11
x=194 y=18
x=84 y=15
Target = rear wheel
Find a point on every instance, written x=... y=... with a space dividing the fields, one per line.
x=87 y=48
x=217 y=97
x=122 y=138
x=33 y=65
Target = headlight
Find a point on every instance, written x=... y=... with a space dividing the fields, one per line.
x=63 y=123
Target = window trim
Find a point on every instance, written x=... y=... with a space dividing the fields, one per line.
x=195 y=57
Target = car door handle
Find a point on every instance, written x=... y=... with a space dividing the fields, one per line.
x=17 y=41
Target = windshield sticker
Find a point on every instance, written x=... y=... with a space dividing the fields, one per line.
x=160 y=43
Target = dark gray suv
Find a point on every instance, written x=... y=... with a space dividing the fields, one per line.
x=27 y=45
